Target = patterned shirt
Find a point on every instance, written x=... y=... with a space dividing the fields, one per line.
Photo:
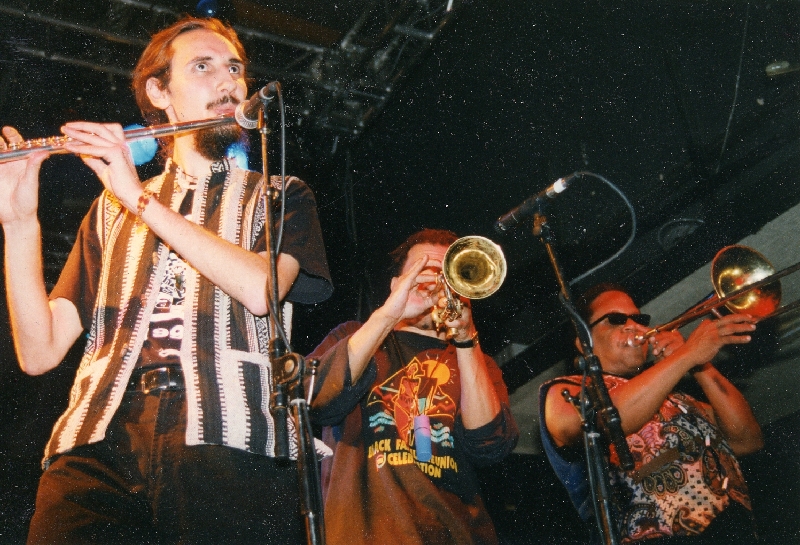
x=685 y=473
x=114 y=276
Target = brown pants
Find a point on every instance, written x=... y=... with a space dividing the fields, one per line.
x=142 y=484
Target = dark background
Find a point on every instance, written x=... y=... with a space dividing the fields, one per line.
x=671 y=101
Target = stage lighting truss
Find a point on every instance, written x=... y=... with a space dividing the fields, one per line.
x=337 y=82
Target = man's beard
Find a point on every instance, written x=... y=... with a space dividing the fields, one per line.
x=214 y=143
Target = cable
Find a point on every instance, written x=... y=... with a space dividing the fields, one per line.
x=630 y=238
x=273 y=305
x=735 y=93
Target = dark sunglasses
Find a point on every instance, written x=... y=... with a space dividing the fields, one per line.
x=620 y=318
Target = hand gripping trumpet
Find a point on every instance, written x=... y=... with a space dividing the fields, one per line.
x=744 y=282
x=473 y=267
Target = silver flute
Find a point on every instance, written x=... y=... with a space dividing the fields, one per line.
x=55 y=144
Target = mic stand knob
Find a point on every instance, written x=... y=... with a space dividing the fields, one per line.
x=285 y=372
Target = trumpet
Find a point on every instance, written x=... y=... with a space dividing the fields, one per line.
x=55 y=144
x=473 y=267
x=744 y=282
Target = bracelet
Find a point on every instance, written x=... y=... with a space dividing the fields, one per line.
x=144 y=200
x=470 y=343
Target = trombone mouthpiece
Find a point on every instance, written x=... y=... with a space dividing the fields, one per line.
x=637 y=340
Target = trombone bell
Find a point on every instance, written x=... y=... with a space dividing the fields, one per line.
x=735 y=267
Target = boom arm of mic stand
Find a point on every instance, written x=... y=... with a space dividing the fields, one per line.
x=606 y=411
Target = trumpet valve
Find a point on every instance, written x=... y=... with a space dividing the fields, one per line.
x=436 y=316
x=450 y=312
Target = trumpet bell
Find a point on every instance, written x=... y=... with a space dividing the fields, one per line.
x=474 y=267
x=735 y=267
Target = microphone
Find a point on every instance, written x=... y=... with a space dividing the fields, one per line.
x=530 y=205
x=246 y=113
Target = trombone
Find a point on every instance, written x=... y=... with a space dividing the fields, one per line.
x=473 y=267
x=744 y=282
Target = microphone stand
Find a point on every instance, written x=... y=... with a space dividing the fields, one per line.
x=288 y=369
x=594 y=406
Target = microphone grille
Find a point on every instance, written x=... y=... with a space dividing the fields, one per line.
x=242 y=119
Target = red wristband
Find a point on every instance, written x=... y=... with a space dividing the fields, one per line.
x=144 y=200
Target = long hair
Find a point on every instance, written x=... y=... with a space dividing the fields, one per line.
x=156 y=60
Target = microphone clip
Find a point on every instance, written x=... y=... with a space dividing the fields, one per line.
x=247 y=112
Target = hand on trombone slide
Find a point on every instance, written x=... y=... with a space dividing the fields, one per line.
x=704 y=342
x=711 y=335
x=660 y=344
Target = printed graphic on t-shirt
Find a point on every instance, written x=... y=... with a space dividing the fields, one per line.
x=419 y=388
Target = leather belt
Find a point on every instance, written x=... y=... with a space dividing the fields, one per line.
x=150 y=379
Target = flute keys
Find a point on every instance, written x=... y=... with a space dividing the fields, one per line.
x=40 y=143
x=58 y=140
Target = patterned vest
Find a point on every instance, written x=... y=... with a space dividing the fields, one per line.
x=224 y=349
x=685 y=474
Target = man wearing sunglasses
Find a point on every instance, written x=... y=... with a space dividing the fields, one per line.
x=686 y=484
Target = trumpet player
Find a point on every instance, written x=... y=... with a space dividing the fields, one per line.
x=415 y=413
x=686 y=484
x=167 y=438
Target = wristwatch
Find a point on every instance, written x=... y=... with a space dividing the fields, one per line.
x=469 y=343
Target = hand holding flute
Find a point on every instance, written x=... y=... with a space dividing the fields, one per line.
x=104 y=149
x=21 y=159
x=19 y=183
x=18 y=148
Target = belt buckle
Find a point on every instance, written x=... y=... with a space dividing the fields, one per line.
x=151 y=380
